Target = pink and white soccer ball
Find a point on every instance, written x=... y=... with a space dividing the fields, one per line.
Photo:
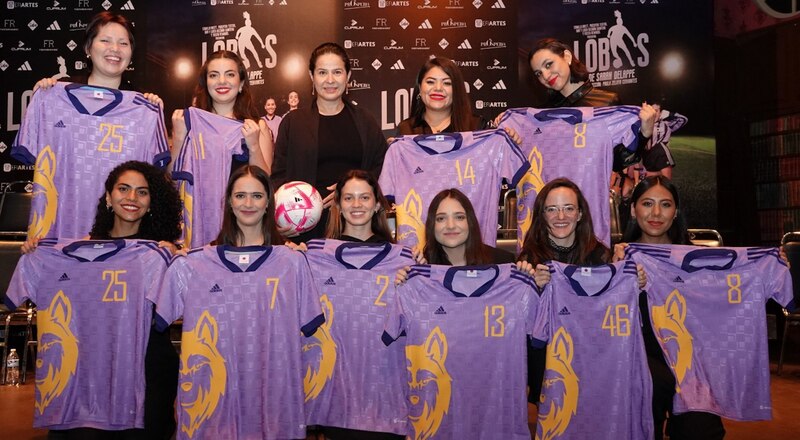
x=298 y=206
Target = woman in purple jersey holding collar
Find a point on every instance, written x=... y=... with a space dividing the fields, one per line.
x=656 y=218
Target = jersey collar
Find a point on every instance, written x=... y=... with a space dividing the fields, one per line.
x=70 y=249
x=570 y=270
x=449 y=142
x=451 y=273
x=382 y=249
x=233 y=267
x=700 y=254
x=76 y=102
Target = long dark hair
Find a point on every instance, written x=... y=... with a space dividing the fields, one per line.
x=230 y=234
x=326 y=48
x=379 y=224
x=536 y=248
x=461 y=113
x=678 y=232
x=244 y=107
x=474 y=251
x=161 y=223
x=577 y=70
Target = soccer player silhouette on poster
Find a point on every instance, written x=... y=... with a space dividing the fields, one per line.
x=244 y=39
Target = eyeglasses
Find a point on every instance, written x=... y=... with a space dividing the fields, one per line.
x=567 y=210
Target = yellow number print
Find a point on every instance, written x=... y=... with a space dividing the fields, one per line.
x=734 y=288
x=497 y=329
x=580 y=136
x=117 y=289
x=617 y=324
x=111 y=142
x=202 y=144
x=382 y=281
x=469 y=172
x=274 y=290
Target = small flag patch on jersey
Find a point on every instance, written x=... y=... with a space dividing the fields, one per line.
x=677 y=279
x=64 y=277
x=60 y=124
x=440 y=311
x=330 y=282
x=418 y=170
x=215 y=289
x=564 y=311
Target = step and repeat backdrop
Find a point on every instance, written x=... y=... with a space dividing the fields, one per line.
x=633 y=47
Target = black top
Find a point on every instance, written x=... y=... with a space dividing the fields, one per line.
x=415 y=125
x=372 y=239
x=340 y=149
x=500 y=256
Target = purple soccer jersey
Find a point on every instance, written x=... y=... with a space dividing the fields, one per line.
x=245 y=311
x=75 y=135
x=707 y=311
x=93 y=323
x=416 y=168
x=203 y=167
x=466 y=329
x=597 y=379
x=576 y=143
x=352 y=380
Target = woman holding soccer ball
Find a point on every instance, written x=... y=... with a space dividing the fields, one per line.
x=319 y=143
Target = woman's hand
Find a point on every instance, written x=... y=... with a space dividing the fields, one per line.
x=541 y=275
x=29 y=245
x=251 y=133
x=418 y=257
x=170 y=246
x=154 y=99
x=401 y=276
x=513 y=135
x=648 y=117
x=44 y=83
x=641 y=276
x=619 y=250
x=328 y=200
x=526 y=267
x=296 y=246
x=178 y=128
x=784 y=257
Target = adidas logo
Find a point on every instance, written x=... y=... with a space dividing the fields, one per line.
x=677 y=279
x=465 y=45
x=564 y=311
x=26 y=66
x=440 y=311
x=128 y=6
x=499 y=86
x=425 y=25
x=418 y=171
x=54 y=26
x=282 y=3
x=499 y=5
x=59 y=124
x=398 y=66
x=215 y=289
x=330 y=282
x=64 y=277
x=538 y=131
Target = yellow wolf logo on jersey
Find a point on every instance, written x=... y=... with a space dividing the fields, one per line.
x=198 y=353
x=669 y=327
x=44 y=186
x=531 y=182
x=409 y=215
x=554 y=420
x=55 y=334
x=426 y=363
x=188 y=206
x=316 y=379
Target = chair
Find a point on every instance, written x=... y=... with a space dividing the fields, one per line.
x=19 y=317
x=15 y=208
x=791 y=245
x=705 y=237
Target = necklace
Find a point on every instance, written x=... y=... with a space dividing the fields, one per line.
x=561 y=249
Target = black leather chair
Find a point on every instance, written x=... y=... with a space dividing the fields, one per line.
x=15 y=208
x=791 y=245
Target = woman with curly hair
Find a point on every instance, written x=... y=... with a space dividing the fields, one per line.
x=140 y=202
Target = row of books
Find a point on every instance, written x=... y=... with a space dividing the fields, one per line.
x=775 y=146
x=776 y=125
x=776 y=169
x=778 y=195
x=775 y=223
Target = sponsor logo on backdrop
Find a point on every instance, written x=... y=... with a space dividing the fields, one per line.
x=56 y=7
x=404 y=23
x=20 y=5
x=499 y=4
x=4 y=65
x=72 y=45
x=9 y=24
x=499 y=85
x=467 y=63
x=7 y=167
x=78 y=26
x=20 y=47
x=80 y=65
x=128 y=6
x=257 y=53
x=48 y=46
x=199 y=3
x=481 y=104
x=492 y=44
x=381 y=24
x=355 y=85
x=477 y=4
x=425 y=25
x=427 y=4
x=420 y=44
x=376 y=64
x=393 y=3
x=355 y=64
x=454 y=4
x=496 y=65
x=393 y=46
x=354 y=4
x=398 y=65
x=33 y=24
x=353 y=26
x=612 y=52
x=83 y=5
x=54 y=26
x=106 y=5
x=481 y=23
x=349 y=44
x=465 y=45
x=478 y=84
x=443 y=43
x=453 y=24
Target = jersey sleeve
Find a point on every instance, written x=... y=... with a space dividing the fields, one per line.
x=169 y=298
x=514 y=164
x=158 y=145
x=183 y=169
x=623 y=125
x=540 y=333
x=395 y=324
x=388 y=178
x=779 y=282
x=156 y=263
x=23 y=282
x=29 y=140
x=311 y=316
